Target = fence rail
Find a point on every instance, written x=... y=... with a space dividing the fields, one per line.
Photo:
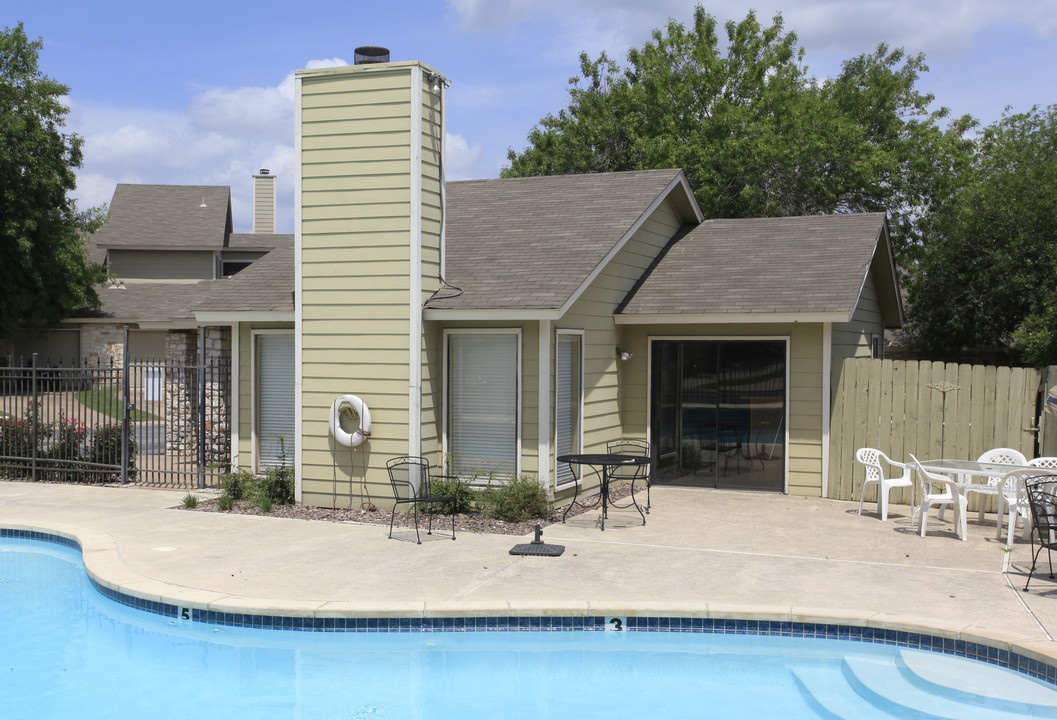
x=160 y=422
x=931 y=410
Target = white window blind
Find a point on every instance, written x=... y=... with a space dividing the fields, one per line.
x=275 y=400
x=483 y=401
x=567 y=401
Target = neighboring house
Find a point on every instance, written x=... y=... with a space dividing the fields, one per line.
x=494 y=325
x=182 y=280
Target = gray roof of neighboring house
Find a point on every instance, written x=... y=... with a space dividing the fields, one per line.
x=265 y=286
x=167 y=216
x=529 y=243
x=811 y=264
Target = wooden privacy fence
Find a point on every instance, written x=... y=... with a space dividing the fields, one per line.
x=931 y=410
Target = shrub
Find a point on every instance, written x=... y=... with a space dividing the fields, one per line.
x=16 y=441
x=465 y=496
x=225 y=503
x=237 y=485
x=106 y=449
x=515 y=501
x=190 y=501
x=275 y=486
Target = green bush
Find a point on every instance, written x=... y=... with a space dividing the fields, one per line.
x=515 y=501
x=190 y=501
x=275 y=486
x=106 y=449
x=16 y=441
x=237 y=485
x=225 y=503
x=465 y=496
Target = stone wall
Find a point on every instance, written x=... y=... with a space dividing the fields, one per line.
x=103 y=345
x=182 y=393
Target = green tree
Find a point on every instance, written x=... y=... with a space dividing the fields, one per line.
x=986 y=276
x=755 y=134
x=44 y=269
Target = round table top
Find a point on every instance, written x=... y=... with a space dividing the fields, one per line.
x=604 y=459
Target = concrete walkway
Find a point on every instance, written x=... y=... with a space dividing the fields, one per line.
x=702 y=553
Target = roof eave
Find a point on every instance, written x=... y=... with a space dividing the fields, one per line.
x=751 y=318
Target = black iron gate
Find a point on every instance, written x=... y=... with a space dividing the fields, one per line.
x=160 y=422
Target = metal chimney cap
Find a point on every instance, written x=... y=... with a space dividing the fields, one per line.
x=368 y=54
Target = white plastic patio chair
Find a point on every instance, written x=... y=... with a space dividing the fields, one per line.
x=951 y=495
x=1046 y=463
x=875 y=475
x=999 y=456
x=1013 y=499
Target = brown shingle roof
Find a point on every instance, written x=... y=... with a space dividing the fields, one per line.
x=529 y=243
x=814 y=264
x=167 y=216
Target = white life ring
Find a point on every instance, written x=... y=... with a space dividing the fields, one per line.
x=360 y=408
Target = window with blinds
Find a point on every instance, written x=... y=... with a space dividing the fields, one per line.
x=275 y=400
x=568 y=401
x=483 y=403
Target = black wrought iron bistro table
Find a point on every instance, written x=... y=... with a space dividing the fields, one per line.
x=604 y=464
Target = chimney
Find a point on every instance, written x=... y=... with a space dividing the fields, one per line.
x=264 y=202
x=368 y=242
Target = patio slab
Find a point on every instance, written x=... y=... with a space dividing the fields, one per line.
x=702 y=552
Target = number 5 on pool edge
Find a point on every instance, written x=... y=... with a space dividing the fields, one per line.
x=616 y=624
x=184 y=613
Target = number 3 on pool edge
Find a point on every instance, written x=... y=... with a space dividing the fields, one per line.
x=615 y=624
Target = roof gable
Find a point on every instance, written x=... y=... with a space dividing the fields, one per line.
x=791 y=266
x=530 y=244
x=167 y=216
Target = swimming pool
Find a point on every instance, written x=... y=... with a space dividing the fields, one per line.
x=70 y=652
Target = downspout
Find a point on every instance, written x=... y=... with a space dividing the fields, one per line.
x=298 y=309
x=544 y=407
x=414 y=390
x=827 y=385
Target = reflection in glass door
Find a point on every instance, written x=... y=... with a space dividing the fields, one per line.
x=718 y=413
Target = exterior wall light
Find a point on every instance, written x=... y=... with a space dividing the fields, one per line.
x=623 y=354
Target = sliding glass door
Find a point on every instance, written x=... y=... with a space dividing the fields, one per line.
x=718 y=412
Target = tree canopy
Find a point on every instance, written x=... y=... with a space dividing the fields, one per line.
x=986 y=277
x=754 y=132
x=44 y=269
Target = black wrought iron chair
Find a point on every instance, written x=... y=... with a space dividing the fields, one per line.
x=1042 y=498
x=634 y=473
x=414 y=485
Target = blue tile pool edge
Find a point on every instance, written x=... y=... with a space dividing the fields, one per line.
x=787 y=628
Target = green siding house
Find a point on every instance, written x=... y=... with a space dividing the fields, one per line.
x=494 y=325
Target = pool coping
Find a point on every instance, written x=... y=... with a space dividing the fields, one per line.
x=102 y=563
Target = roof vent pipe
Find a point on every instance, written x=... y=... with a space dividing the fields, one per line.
x=369 y=54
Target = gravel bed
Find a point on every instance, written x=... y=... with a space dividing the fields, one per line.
x=472 y=523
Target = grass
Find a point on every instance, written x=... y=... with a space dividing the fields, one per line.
x=108 y=402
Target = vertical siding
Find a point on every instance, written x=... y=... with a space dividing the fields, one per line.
x=355 y=244
x=852 y=339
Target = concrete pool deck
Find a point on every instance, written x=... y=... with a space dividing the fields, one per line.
x=702 y=553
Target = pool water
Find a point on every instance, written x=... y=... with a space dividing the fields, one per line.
x=68 y=652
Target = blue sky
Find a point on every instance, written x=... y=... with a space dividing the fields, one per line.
x=197 y=92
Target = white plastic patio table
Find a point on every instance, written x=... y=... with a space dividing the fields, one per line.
x=972 y=468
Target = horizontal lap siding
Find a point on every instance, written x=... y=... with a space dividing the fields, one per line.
x=356 y=197
x=805 y=386
x=605 y=377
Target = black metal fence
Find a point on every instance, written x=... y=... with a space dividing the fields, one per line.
x=160 y=422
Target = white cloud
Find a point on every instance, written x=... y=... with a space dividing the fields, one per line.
x=222 y=138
